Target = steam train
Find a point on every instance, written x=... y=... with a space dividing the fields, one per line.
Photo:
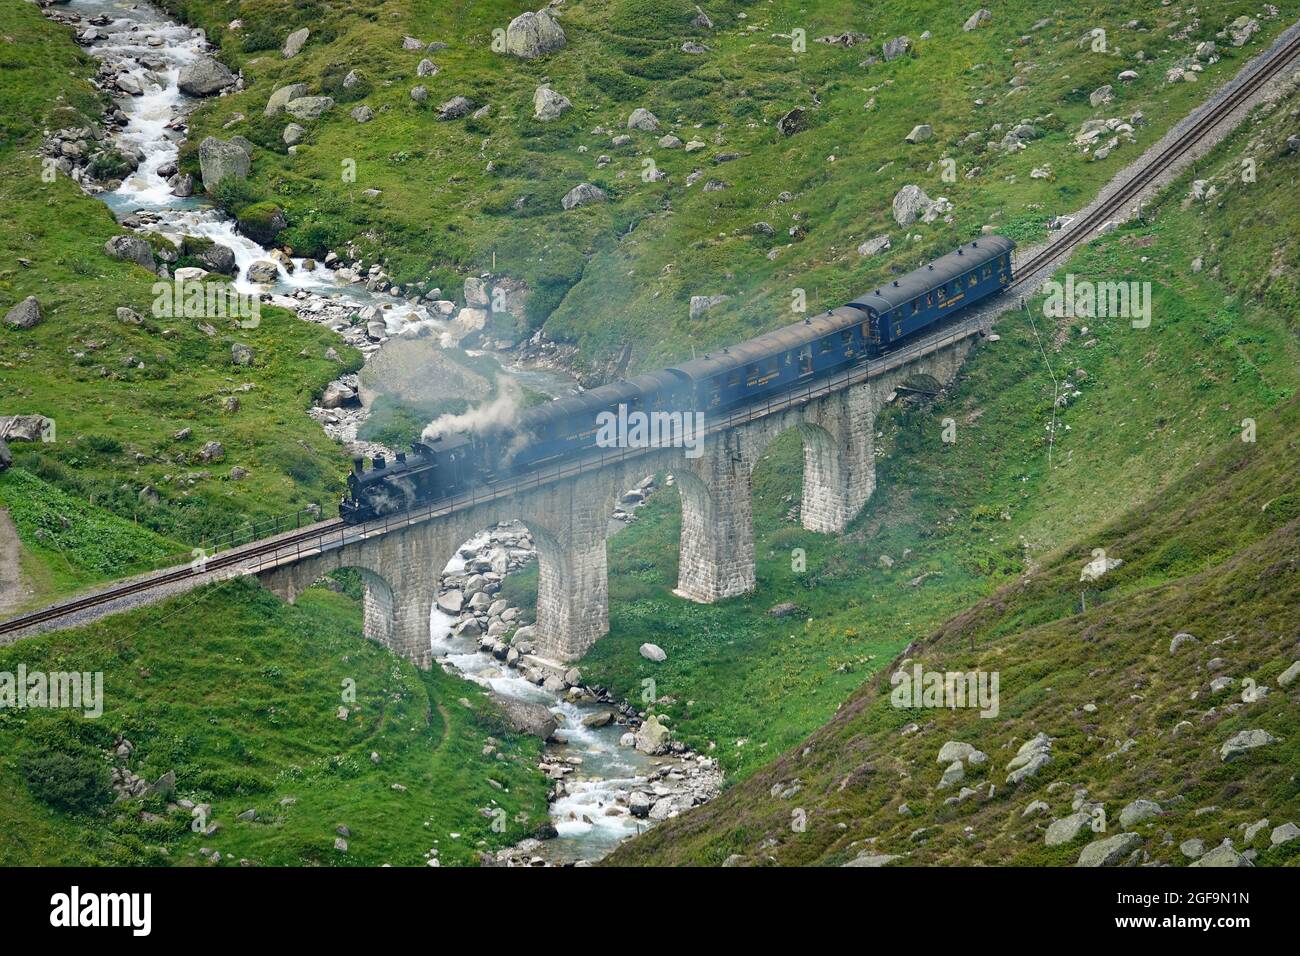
x=718 y=382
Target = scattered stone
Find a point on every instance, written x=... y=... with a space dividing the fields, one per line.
x=1109 y=851
x=795 y=121
x=1067 y=828
x=583 y=194
x=980 y=18
x=1243 y=742
x=1222 y=855
x=548 y=104
x=27 y=313
x=204 y=76
x=643 y=120
x=1139 y=811
x=653 y=652
x=920 y=133
x=531 y=35
x=294 y=42
x=130 y=249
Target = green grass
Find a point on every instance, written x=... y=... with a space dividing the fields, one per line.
x=459 y=198
x=237 y=693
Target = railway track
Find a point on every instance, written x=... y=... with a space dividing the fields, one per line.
x=1084 y=228
x=334 y=533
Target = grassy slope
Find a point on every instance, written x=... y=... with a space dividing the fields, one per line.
x=238 y=694
x=976 y=514
x=442 y=214
x=1215 y=553
x=115 y=423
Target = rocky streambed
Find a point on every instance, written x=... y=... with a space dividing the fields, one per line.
x=614 y=770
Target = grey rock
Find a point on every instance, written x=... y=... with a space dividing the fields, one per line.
x=1284 y=834
x=1192 y=849
x=293 y=134
x=653 y=652
x=548 y=104
x=531 y=35
x=27 y=313
x=583 y=194
x=1179 y=640
x=979 y=18
x=795 y=121
x=1243 y=742
x=130 y=249
x=362 y=113
x=220 y=160
x=455 y=108
x=204 y=76
x=1067 y=828
x=308 y=108
x=264 y=271
x=294 y=42
x=643 y=120
x=1109 y=851
x=282 y=95
x=241 y=354
x=1222 y=855
x=893 y=49
x=1139 y=811
x=526 y=717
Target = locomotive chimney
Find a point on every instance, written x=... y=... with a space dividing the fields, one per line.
x=379 y=461
x=357 y=464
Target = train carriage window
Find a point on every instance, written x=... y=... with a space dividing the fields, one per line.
x=929 y=300
x=805 y=360
x=734 y=378
x=846 y=337
x=988 y=271
x=972 y=279
x=753 y=372
x=941 y=292
x=827 y=344
x=789 y=358
x=773 y=365
x=916 y=306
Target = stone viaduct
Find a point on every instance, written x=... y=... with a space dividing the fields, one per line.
x=569 y=517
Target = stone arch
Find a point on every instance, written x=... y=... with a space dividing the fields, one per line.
x=922 y=382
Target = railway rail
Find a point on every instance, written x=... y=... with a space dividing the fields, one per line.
x=323 y=536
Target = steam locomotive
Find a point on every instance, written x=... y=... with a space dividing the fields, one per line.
x=816 y=347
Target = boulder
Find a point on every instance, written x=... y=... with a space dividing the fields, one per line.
x=643 y=120
x=701 y=304
x=293 y=43
x=241 y=354
x=1137 y=812
x=362 y=113
x=281 y=96
x=1109 y=851
x=651 y=736
x=955 y=750
x=220 y=160
x=1102 y=95
x=548 y=104
x=426 y=67
x=1222 y=855
x=526 y=717
x=653 y=652
x=1288 y=676
x=910 y=203
x=337 y=395
x=1067 y=828
x=795 y=121
x=309 y=107
x=130 y=249
x=455 y=108
x=204 y=76
x=27 y=313
x=218 y=258
x=874 y=246
x=784 y=609
x=451 y=601
x=1284 y=834
x=920 y=133
x=953 y=775
x=293 y=134
x=212 y=451
x=531 y=35
x=1098 y=566
x=583 y=194
x=1243 y=742
x=24 y=427
x=264 y=271
x=980 y=18
x=893 y=49
x=1179 y=640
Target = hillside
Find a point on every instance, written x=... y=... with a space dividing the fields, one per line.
x=256 y=705
x=1130 y=711
x=710 y=199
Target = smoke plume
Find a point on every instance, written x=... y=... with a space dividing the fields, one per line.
x=501 y=412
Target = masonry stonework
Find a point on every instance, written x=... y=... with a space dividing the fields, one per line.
x=569 y=521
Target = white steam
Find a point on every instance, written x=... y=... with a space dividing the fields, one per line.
x=501 y=412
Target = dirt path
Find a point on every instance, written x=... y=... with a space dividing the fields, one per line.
x=14 y=590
